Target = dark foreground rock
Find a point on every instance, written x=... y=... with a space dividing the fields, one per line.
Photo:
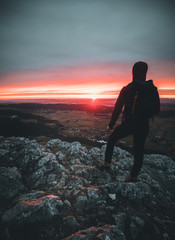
x=58 y=191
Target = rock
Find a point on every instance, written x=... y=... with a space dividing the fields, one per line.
x=81 y=203
x=89 y=200
x=107 y=232
x=40 y=168
x=10 y=184
x=112 y=196
x=136 y=226
x=120 y=220
x=33 y=211
x=165 y=236
x=59 y=192
x=3 y=153
x=67 y=204
x=60 y=156
x=160 y=162
x=70 y=224
x=29 y=216
x=29 y=196
x=74 y=149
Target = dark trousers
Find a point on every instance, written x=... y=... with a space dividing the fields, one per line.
x=139 y=130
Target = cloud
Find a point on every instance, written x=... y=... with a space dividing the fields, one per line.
x=38 y=34
x=85 y=80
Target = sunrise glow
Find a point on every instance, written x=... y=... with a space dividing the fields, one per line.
x=92 y=82
x=83 y=49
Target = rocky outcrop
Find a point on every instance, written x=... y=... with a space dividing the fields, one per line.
x=58 y=191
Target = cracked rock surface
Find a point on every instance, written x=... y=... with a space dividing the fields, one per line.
x=58 y=191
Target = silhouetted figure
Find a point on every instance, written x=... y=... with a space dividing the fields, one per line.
x=141 y=101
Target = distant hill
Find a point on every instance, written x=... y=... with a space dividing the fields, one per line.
x=59 y=106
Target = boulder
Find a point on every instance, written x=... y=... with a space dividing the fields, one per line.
x=10 y=184
x=58 y=191
x=106 y=232
x=33 y=210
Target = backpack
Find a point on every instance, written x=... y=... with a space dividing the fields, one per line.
x=145 y=100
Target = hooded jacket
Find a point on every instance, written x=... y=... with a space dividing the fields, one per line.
x=126 y=99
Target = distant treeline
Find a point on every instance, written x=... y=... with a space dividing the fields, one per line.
x=77 y=107
x=166 y=109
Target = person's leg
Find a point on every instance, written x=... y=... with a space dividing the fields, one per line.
x=139 y=137
x=119 y=132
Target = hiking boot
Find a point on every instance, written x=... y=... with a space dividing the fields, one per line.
x=131 y=179
x=105 y=165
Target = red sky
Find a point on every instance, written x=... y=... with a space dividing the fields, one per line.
x=84 y=81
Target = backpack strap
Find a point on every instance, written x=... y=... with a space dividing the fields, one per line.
x=134 y=103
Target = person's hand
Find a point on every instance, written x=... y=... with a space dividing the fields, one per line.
x=108 y=128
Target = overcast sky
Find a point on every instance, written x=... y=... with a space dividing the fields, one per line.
x=43 y=33
x=100 y=38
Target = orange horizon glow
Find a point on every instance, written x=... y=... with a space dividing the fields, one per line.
x=92 y=82
x=91 y=92
x=38 y=96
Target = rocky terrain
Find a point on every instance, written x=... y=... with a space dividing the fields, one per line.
x=58 y=191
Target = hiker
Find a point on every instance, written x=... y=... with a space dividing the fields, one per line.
x=141 y=101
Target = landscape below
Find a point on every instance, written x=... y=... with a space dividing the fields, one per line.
x=85 y=123
x=51 y=185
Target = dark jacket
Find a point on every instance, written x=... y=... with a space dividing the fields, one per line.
x=126 y=99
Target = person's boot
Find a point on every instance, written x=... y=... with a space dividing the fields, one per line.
x=105 y=165
x=131 y=179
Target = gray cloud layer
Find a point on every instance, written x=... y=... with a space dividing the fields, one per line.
x=43 y=33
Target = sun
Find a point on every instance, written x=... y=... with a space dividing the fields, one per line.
x=94 y=96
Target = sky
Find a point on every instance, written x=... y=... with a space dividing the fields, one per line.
x=84 y=48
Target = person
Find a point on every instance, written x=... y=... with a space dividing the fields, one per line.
x=135 y=120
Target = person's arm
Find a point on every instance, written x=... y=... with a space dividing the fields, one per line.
x=117 y=109
x=157 y=110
